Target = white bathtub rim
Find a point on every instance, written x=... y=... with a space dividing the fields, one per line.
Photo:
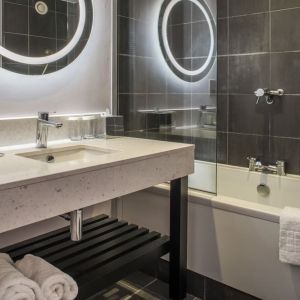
x=246 y=171
x=238 y=206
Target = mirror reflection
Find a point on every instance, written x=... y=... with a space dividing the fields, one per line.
x=187 y=36
x=34 y=28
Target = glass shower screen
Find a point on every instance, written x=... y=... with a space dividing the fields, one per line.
x=167 y=76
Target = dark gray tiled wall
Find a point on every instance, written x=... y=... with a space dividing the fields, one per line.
x=145 y=81
x=258 y=46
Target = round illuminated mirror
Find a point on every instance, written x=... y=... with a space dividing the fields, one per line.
x=187 y=34
x=43 y=36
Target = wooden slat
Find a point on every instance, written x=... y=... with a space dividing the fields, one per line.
x=110 y=250
x=89 y=232
x=92 y=283
x=78 y=248
x=96 y=262
x=51 y=234
x=85 y=256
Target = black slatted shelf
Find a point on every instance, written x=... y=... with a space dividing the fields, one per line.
x=110 y=249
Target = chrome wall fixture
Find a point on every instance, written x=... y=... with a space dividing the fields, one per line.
x=177 y=68
x=255 y=165
x=76 y=223
x=268 y=94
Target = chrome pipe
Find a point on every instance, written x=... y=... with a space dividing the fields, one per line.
x=76 y=218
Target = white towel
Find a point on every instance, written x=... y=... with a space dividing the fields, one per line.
x=289 y=240
x=55 y=284
x=13 y=284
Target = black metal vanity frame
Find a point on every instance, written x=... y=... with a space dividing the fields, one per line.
x=112 y=249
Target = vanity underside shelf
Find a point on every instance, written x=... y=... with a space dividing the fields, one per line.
x=109 y=251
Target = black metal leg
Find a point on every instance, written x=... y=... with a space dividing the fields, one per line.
x=178 y=237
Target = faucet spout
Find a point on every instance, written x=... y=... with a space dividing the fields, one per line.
x=43 y=123
x=50 y=124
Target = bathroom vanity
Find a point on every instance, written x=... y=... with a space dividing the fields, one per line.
x=38 y=184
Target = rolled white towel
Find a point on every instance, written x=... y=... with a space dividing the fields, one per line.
x=55 y=284
x=14 y=285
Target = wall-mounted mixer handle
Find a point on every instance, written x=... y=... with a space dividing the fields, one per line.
x=259 y=93
x=278 y=93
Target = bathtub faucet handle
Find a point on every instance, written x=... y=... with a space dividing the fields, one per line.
x=252 y=163
x=281 y=167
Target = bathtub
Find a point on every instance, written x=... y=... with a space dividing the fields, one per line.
x=232 y=237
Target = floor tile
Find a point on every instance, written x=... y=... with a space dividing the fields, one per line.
x=137 y=286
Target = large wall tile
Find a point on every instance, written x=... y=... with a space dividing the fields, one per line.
x=241 y=146
x=281 y=4
x=285 y=69
x=222 y=115
x=285 y=117
x=244 y=7
x=249 y=34
x=245 y=116
x=133 y=76
x=129 y=106
x=285 y=30
x=222 y=36
x=288 y=150
x=248 y=73
x=222 y=10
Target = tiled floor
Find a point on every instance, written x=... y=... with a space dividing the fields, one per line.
x=137 y=286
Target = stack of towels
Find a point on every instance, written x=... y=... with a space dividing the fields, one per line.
x=32 y=278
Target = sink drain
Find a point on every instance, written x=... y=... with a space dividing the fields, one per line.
x=41 y=8
x=2 y=154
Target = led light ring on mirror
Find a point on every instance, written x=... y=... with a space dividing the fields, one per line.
x=56 y=56
x=165 y=14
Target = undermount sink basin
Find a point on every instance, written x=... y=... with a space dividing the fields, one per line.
x=80 y=153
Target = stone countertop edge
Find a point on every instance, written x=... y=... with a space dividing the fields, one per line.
x=91 y=166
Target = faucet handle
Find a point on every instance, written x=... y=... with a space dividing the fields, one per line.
x=43 y=116
x=259 y=93
x=252 y=163
x=281 y=167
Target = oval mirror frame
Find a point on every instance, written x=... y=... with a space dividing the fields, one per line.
x=44 y=60
x=180 y=71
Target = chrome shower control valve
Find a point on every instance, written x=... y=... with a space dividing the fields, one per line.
x=268 y=94
x=259 y=93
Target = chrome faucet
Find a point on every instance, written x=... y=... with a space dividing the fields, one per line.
x=255 y=165
x=43 y=124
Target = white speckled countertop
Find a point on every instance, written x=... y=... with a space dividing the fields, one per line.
x=34 y=190
x=17 y=171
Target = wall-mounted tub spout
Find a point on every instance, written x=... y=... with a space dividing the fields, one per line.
x=75 y=218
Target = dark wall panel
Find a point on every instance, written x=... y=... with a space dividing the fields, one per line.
x=258 y=47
